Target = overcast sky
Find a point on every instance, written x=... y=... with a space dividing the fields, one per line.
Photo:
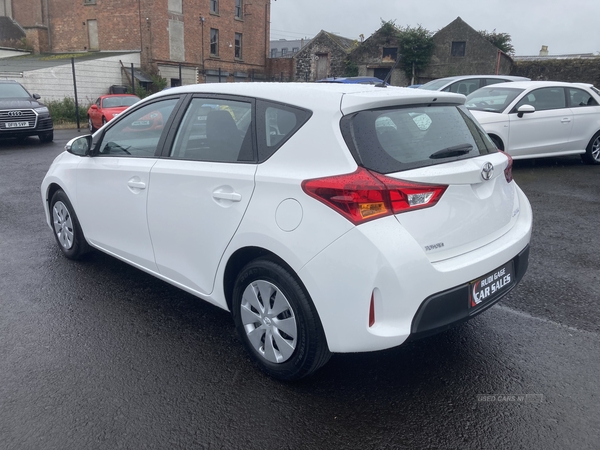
x=565 y=26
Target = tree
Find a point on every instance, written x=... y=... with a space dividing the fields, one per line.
x=501 y=40
x=415 y=45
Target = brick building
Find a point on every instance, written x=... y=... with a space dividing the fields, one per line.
x=201 y=40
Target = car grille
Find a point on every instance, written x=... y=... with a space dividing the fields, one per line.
x=17 y=115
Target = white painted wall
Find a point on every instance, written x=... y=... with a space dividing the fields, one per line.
x=94 y=78
x=189 y=75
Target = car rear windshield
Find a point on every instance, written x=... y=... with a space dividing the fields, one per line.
x=401 y=138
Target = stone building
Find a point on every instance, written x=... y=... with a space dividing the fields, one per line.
x=324 y=56
x=196 y=40
x=461 y=50
x=376 y=56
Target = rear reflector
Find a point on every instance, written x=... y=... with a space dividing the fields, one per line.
x=365 y=195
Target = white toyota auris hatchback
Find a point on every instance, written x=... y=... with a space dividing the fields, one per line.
x=326 y=218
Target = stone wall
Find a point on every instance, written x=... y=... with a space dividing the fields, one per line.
x=585 y=70
x=322 y=46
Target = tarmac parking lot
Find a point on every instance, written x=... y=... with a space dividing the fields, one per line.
x=99 y=355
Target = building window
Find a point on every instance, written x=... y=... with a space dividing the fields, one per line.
x=89 y=2
x=389 y=54
x=214 y=6
x=284 y=51
x=238 y=46
x=214 y=42
x=238 y=9
x=273 y=53
x=458 y=48
x=295 y=49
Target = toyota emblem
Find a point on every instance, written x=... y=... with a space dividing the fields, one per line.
x=487 y=171
x=15 y=113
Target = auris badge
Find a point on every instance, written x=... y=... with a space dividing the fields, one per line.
x=487 y=171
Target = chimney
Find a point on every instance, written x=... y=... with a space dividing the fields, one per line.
x=544 y=50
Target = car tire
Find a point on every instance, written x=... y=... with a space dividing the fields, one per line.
x=66 y=228
x=46 y=137
x=282 y=333
x=91 y=125
x=103 y=121
x=592 y=152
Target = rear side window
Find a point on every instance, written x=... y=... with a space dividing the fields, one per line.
x=276 y=123
x=579 y=98
x=395 y=139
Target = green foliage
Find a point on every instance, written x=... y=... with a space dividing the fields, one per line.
x=501 y=40
x=416 y=45
x=158 y=84
x=351 y=69
x=388 y=28
x=63 y=111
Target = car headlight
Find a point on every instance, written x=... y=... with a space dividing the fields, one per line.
x=42 y=110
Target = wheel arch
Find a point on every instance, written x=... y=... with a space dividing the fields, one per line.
x=240 y=258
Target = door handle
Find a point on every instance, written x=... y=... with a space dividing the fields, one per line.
x=136 y=184
x=231 y=196
x=565 y=120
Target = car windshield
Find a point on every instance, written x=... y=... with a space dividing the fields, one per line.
x=401 y=138
x=492 y=99
x=13 y=90
x=435 y=85
x=116 y=102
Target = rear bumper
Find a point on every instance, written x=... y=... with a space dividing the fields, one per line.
x=444 y=310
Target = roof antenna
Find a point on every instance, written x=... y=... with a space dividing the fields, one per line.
x=389 y=75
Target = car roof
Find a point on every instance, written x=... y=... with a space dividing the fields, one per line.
x=537 y=84
x=349 y=80
x=468 y=77
x=314 y=95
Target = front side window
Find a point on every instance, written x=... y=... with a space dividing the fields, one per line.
x=458 y=48
x=214 y=6
x=137 y=134
x=214 y=42
x=579 y=98
x=215 y=130
x=238 y=46
x=401 y=138
x=238 y=9
x=465 y=87
x=544 y=99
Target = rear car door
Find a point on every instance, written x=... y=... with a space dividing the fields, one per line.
x=112 y=186
x=201 y=189
x=545 y=131
x=586 y=117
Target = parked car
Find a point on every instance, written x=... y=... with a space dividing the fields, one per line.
x=107 y=107
x=22 y=115
x=534 y=119
x=351 y=80
x=466 y=84
x=337 y=218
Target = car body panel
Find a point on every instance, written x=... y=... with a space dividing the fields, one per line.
x=161 y=215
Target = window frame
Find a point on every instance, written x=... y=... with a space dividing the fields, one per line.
x=214 y=32
x=458 y=49
x=214 y=7
x=239 y=9
x=237 y=47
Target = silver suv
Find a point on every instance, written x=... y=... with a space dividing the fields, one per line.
x=22 y=115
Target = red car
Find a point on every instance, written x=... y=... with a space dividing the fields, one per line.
x=108 y=107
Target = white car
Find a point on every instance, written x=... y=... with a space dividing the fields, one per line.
x=536 y=119
x=466 y=84
x=326 y=218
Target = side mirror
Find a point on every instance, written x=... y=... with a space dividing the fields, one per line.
x=80 y=146
x=94 y=106
x=37 y=96
x=525 y=109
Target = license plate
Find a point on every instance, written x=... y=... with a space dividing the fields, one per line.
x=492 y=285
x=16 y=124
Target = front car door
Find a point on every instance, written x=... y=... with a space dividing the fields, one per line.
x=201 y=189
x=545 y=131
x=112 y=185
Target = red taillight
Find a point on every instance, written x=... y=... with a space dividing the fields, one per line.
x=508 y=169
x=365 y=195
x=372 y=311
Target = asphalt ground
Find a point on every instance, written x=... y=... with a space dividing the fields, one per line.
x=99 y=355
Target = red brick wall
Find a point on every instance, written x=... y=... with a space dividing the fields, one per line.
x=143 y=25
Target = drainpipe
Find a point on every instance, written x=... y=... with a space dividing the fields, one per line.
x=498 y=62
x=48 y=25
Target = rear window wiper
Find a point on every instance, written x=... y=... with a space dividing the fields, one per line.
x=456 y=150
